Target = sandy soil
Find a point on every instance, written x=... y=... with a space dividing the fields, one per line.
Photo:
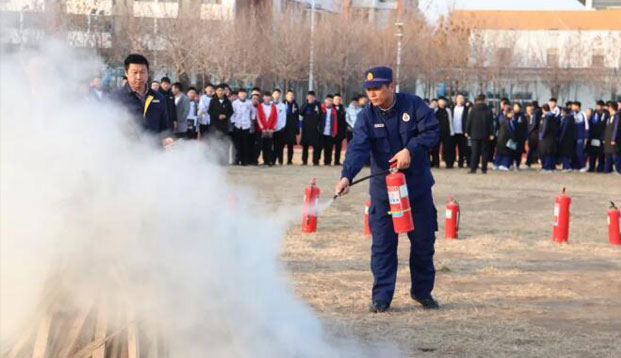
x=506 y=290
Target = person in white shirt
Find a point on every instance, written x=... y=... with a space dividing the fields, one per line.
x=203 y=105
x=279 y=130
x=243 y=115
x=460 y=113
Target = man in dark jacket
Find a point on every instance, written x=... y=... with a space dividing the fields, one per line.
x=220 y=111
x=292 y=128
x=548 y=128
x=595 y=146
x=310 y=112
x=612 y=136
x=567 y=139
x=520 y=125
x=532 y=120
x=166 y=91
x=342 y=127
x=480 y=131
x=147 y=107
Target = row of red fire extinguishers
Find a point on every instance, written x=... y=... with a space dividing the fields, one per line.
x=402 y=214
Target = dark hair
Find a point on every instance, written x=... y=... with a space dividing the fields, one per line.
x=125 y=78
x=178 y=85
x=258 y=89
x=517 y=104
x=166 y=79
x=480 y=98
x=545 y=107
x=241 y=90
x=577 y=103
x=337 y=95
x=434 y=100
x=613 y=104
x=136 y=59
x=234 y=93
x=225 y=85
x=535 y=103
x=192 y=88
x=290 y=90
x=552 y=99
x=311 y=93
x=209 y=84
x=504 y=99
x=566 y=110
x=267 y=93
x=442 y=98
x=600 y=102
x=329 y=96
x=276 y=90
x=530 y=104
x=155 y=81
x=221 y=86
x=568 y=103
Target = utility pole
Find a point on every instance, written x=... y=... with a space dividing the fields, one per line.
x=399 y=35
x=312 y=47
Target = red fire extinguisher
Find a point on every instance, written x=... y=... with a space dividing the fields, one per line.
x=311 y=207
x=560 y=231
x=399 y=201
x=451 y=223
x=367 y=228
x=614 y=225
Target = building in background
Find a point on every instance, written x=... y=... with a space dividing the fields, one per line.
x=529 y=55
x=601 y=4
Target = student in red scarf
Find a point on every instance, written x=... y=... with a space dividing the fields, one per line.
x=267 y=116
x=328 y=130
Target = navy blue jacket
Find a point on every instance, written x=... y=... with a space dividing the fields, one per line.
x=151 y=113
x=410 y=124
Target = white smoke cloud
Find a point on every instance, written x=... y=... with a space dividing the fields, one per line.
x=89 y=209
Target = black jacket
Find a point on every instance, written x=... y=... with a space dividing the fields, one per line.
x=170 y=107
x=612 y=134
x=445 y=123
x=151 y=114
x=310 y=120
x=292 y=128
x=506 y=131
x=567 y=139
x=520 y=124
x=548 y=129
x=216 y=109
x=342 y=128
x=480 y=122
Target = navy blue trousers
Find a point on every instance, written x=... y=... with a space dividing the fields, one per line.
x=384 y=248
x=548 y=162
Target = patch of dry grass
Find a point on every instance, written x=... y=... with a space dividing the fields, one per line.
x=506 y=289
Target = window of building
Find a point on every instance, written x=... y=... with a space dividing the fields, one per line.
x=597 y=60
x=552 y=57
x=215 y=2
x=503 y=55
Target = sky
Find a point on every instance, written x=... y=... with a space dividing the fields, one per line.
x=434 y=8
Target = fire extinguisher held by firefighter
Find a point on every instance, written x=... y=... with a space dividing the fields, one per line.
x=398 y=129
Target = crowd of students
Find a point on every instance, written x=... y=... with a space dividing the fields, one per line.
x=267 y=125
x=566 y=138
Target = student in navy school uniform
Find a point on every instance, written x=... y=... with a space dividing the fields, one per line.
x=612 y=136
x=582 y=134
x=503 y=108
x=548 y=139
x=532 y=118
x=567 y=139
x=506 y=146
x=595 y=145
x=520 y=125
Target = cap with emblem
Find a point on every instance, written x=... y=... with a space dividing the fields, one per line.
x=375 y=77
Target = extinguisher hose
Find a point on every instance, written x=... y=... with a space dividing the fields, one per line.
x=386 y=172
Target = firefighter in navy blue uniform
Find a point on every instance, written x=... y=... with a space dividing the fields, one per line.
x=396 y=128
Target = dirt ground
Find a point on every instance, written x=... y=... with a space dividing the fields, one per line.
x=506 y=290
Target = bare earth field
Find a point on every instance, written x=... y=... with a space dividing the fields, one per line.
x=505 y=289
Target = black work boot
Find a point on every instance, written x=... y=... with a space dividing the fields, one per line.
x=379 y=306
x=427 y=303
